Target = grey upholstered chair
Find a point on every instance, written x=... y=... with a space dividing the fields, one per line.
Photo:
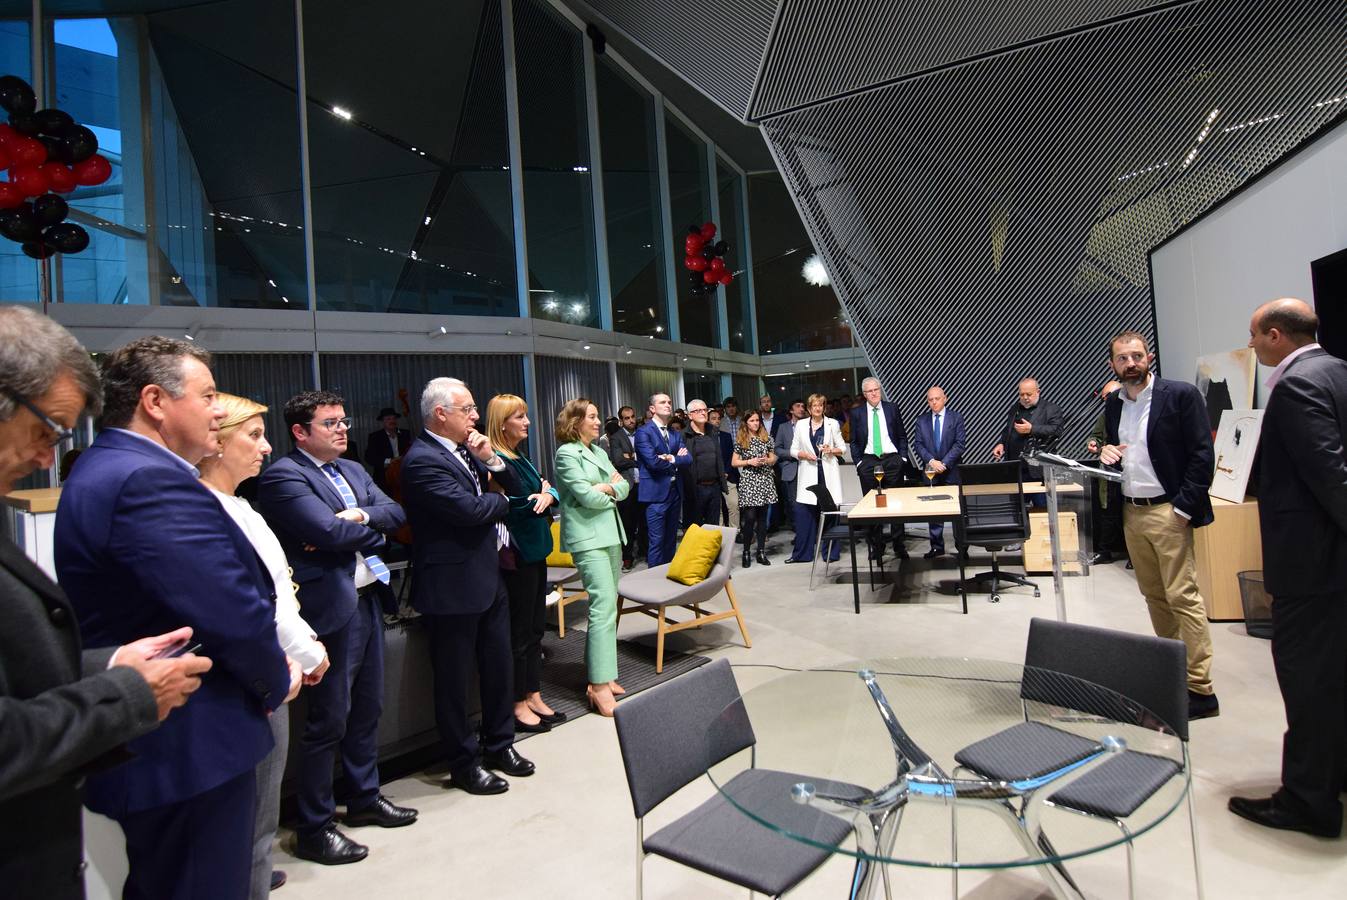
x=672 y=734
x=1150 y=671
x=561 y=577
x=651 y=593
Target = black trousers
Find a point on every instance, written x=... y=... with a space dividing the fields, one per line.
x=632 y=513
x=527 y=589
x=1108 y=534
x=892 y=466
x=705 y=504
x=751 y=519
x=457 y=643
x=1309 y=652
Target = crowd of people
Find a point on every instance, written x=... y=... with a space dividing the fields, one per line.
x=152 y=683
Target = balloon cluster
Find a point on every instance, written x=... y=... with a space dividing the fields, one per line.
x=705 y=260
x=47 y=154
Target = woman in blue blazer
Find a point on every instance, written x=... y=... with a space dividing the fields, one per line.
x=529 y=522
x=591 y=531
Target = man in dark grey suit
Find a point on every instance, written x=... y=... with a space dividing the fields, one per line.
x=786 y=465
x=64 y=711
x=1302 y=510
x=622 y=453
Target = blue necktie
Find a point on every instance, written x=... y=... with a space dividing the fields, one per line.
x=937 y=433
x=376 y=565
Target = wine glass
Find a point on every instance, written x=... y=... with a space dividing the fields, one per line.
x=879 y=479
x=930 y=473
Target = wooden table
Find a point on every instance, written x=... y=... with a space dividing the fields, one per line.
x=904 y=505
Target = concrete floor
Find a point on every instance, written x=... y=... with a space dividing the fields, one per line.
x=568 y=831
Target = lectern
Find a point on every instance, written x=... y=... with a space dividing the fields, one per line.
x=1059 y=470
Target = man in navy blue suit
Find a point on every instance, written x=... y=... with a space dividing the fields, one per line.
x=660 y=453
x=142 y=547
x=939 y=443
x=879 y=441
x=458 y=523
x=331 y=520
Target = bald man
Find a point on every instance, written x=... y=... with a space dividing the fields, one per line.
x=1302 y=507
x=1033 y=421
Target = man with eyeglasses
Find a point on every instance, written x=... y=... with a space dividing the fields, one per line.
x=142 y=546
x=331 y=519
x=61 y=705
x=706 y=473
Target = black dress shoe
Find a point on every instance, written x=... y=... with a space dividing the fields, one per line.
x=542 y=726
x=762 y=559
x=747 y=560
x=555 y=717
x=478 y=781
x=1130 y=566
x=1268 y=813
x=790 y=559
x=508 y=761
x=900 y=551
x=277 y=879
x=1203 y=706
x=382 y=813
x=329 y=847
x=932 y=554
x=1102 y=559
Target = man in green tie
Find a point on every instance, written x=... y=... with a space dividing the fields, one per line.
x=879 y=441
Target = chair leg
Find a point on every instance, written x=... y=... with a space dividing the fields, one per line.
x=640 y=858
x=697 y=609
x=1192 y=825
x=1131 y=861
x=659 y=642
x=738 y=613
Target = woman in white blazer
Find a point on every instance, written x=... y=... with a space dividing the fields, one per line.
x=818 y=446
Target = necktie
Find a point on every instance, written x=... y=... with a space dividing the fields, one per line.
x=938 y=419
x=664 y=433
x=502 y=534
x=376 y=565
x=876 y=439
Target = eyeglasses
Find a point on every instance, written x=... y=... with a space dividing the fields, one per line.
x=58 y=432
x=700 y=409
x=335 y=424
x=466 y=410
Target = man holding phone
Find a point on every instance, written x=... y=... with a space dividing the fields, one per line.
x=1033 y=424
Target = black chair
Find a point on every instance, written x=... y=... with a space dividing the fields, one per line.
x=993 y=521
x=1130 y=670
x=836 y=530
x=669 y=736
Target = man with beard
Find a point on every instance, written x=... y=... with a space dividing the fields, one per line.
x=1158 y=430
x=1033 y=423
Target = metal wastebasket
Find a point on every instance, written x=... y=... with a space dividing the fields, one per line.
x=1257 y=604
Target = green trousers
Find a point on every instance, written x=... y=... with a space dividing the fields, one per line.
x=600 y=570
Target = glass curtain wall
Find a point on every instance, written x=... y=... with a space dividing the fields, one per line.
x=636 y=257
x=737 y=311
x=554 y=142
x=690 y=203
x=18 y=273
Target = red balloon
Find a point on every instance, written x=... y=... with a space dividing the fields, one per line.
x=717 y=265
x=59 y=176
x=694 y=244
x=725 y=278
x=695 y=263
x=8 y=134
x=708 y=231
x=94 y=170
x=29 y=180
x=709 y=277
x=10 y=196
x=5 y=161
x=27 y=151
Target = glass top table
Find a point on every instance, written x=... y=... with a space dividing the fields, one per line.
x=947 y=763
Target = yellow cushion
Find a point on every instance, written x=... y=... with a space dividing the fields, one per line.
x=696 y=555
x=556 y=558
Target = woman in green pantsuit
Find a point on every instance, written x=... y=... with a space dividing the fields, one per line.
x=591 y=531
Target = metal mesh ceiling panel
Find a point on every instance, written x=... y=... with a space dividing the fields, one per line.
x=991 y=220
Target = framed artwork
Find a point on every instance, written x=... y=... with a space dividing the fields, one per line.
x=1236 y=443
x=1227 y=381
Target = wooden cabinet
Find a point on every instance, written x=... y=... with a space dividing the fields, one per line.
x=1038 y=549
x=1223 y=549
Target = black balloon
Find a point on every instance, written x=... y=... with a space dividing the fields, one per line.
x=694 y=278
x=721 y=248
x=16 y=95
x=53 y=121
x=708 y=252
x=38 y=250
x=80 y=144
x=23 y=123
x=55 y=146
x=50 y=209
x=18 y=223
x=66 y=237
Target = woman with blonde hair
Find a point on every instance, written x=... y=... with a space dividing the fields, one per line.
x=529 y=522
x=818 y=446
x=591 y=530
x=243 y=446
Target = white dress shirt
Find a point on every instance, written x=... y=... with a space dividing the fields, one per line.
x=1277 y=373
x=1139 y=478
x=364 y=576
x=297 y=639
x=885 y=441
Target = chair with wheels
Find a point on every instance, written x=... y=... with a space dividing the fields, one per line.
x=994 y=521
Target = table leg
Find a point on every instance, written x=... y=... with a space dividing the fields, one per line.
x=875 y=836
x=963 y=579
x=855 y=578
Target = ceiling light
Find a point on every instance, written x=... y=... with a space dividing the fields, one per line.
x=814 y=272
x=437 y=332
x=342 y=113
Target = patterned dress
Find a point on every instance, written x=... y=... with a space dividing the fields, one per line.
x=757 y=486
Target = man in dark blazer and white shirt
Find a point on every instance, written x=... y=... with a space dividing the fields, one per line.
x=622 y=454
x=939 y=443
x=786 y=464
x=884 y=448
x=331 y=520
x=660 y=453
x=64 y=711
x=385 y=445
x=1159 y=431
x=457 y=520
x=1302 y=510
x=142 y=547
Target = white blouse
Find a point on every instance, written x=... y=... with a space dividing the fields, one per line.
x=296 y=637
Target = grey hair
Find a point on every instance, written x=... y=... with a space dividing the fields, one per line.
x=34 y=352
x=438 y=392
x=872 y=380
